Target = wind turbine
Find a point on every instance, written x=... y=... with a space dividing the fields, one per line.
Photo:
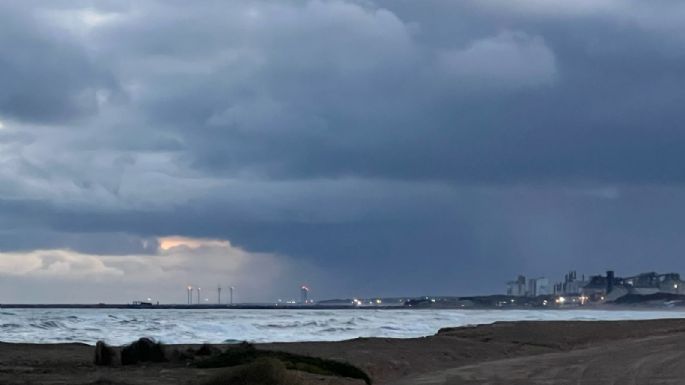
x=218 y=290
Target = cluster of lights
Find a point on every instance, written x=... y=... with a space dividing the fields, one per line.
x=561 y=300
x=359 y=302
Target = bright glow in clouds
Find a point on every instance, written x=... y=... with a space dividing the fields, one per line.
x=80 y=20
x=93 y=19
x=167 y=243
x=163 y=275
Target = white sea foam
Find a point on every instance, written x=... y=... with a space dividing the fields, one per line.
x=216 y=326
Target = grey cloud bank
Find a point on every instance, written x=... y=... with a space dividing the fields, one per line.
x=363 y=147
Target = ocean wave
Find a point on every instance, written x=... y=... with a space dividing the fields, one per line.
x=338 y=329
x=292 y=325
x=10 y=325
x=48 y=325
x=183 y=326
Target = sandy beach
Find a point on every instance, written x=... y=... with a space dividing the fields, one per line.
x=564 y=352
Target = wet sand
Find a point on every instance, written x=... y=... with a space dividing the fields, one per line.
x=545 y=352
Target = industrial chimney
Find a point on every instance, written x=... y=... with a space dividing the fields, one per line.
x=610 y=281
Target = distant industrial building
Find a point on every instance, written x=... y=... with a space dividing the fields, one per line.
x=538 y=286
x=531 y=287
x=571 y=284
x=518 y=287
x=597 y=287
x=651 y=283
x=607 y=287
x=610 y=287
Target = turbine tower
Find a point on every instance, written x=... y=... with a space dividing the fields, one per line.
x=218 y=290
x=230 y=292
x=199 y=289
x=190 y=294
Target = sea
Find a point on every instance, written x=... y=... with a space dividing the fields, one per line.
x=121 y=326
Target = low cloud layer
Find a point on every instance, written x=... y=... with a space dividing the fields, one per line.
x=161 y=275
x=392 y=147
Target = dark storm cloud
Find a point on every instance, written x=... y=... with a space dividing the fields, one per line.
x=327 y=89
x=46 y=75
x=438 y=140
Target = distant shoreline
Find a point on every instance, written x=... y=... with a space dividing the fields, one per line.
x=640 y=306
x=192 y=307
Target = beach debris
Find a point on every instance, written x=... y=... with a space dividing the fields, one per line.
x=143 y=350
x=104 y=355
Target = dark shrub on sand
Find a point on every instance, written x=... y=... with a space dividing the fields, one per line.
x=104 y=355
x=207 y=350
x=240 y=354
x=143 y=350
x=181 y=355
x=263 y=371
x=246 y=353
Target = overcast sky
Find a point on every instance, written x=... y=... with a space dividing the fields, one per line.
x=365 y=148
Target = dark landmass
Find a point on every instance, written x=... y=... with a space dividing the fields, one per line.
x=194 y=307
x=438 y=302
x=658 y=298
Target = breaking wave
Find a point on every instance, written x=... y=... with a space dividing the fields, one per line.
x=233 y=325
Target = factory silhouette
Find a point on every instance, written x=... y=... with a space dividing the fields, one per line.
x=650 y=288
x=599 y=288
